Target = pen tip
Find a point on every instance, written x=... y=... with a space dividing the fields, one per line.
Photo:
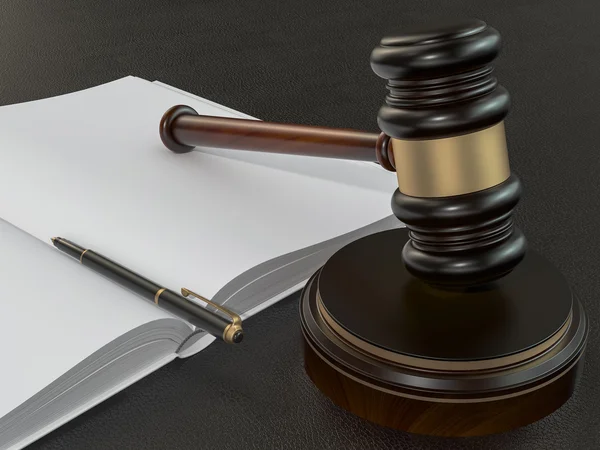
x=53 y=239
x=238 y=337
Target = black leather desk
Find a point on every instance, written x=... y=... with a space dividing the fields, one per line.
x=307 y=61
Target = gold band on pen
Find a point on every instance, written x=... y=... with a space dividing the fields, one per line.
x=81 y=256
x=236 y=321
x=160 y=291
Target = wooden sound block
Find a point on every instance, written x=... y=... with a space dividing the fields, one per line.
x=398 y=352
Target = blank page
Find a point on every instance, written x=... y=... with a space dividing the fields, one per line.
x=53 y=314
x=90 y=166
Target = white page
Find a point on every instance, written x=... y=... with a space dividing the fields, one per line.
x=53 y=314
x=90 y=167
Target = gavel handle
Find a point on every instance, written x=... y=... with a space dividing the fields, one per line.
x=182 y=129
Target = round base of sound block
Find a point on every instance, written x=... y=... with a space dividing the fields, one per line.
x=398 y=352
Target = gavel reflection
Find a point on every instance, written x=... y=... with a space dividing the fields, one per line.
x=182 y=129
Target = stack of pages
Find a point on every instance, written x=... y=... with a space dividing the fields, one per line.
x=244 y=229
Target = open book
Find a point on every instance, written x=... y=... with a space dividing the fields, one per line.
x=243 y=229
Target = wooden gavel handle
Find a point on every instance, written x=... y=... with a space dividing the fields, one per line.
x=182 y=129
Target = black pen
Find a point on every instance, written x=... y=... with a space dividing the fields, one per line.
x=230 y=331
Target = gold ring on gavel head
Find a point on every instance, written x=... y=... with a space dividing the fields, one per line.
x=452 y=166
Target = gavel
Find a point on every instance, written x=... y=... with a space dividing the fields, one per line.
x=465 y=331
x=448 y=147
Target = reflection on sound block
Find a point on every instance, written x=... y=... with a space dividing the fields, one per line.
x=381 y=303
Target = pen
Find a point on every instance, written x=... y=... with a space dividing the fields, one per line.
x=230 y=331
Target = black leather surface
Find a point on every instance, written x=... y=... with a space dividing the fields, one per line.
x=307 y=61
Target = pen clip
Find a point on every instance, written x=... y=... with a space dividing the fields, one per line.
x=233 y=329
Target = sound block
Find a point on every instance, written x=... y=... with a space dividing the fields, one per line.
x=403 y=354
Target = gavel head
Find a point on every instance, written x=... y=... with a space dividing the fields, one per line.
x=444 y=114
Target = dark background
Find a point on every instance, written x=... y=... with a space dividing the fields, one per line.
x=307 y=61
